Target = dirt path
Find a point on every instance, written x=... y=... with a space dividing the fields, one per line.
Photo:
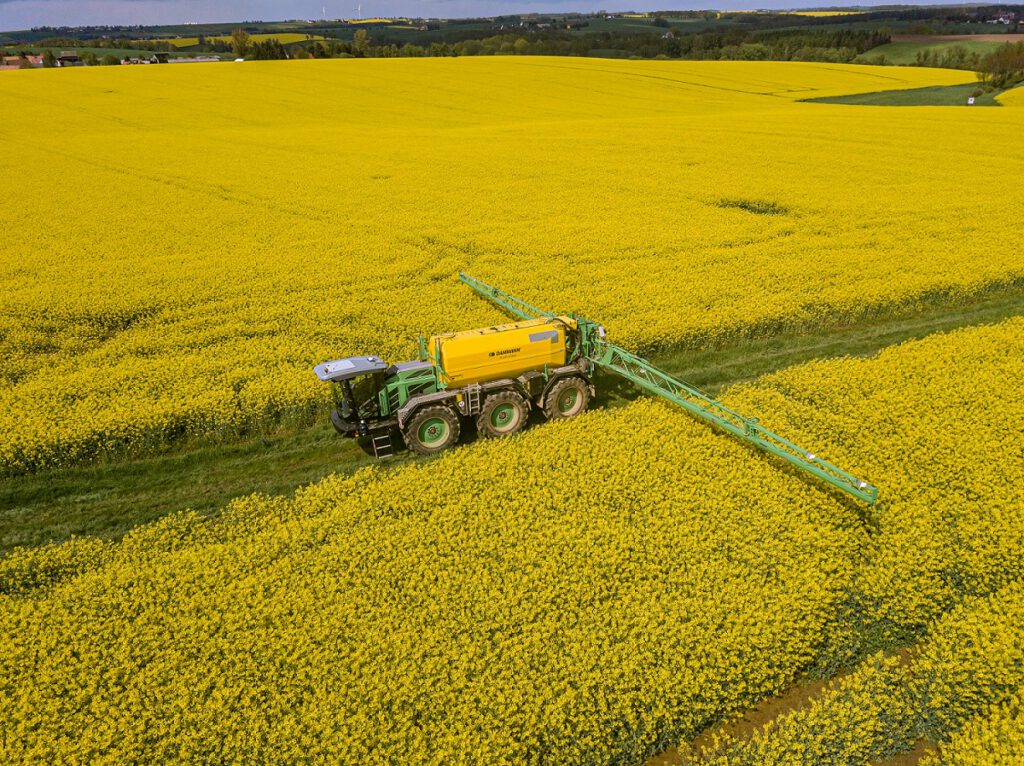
x=750 y=722
x=920 y=749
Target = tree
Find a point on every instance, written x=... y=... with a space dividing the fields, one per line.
x=661 y=22
x=268 y=49
x=240 y=43
x=49 y=60
x=89 y=58
x=110 y=60
x=361 y=43
x=1003 y=67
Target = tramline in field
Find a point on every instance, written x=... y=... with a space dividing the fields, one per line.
x=495 y=375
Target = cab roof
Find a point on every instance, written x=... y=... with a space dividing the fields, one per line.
x=351 y=367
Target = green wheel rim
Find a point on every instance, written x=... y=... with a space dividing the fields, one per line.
x=567 y=400
x=504 y=415
x=432 y=431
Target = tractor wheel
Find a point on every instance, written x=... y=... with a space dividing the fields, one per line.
x=567 y=398
x=432 y=430
x=503 y=413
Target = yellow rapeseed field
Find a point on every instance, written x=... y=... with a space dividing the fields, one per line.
x=825 y=13
x=285 y=38
x=182 y=244
x=996 y=739
x=1014 y=97
x=918 y=421
x=971 y=661
x=480 y=608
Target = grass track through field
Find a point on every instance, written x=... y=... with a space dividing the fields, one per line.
x=942 y=95
x=108 y=500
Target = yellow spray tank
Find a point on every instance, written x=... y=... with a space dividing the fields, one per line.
x=502 y=351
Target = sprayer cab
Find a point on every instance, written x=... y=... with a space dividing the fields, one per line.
x=359 y=380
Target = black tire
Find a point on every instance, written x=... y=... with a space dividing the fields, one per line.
x=567 y=398
x=503 y=413
x=432 y=430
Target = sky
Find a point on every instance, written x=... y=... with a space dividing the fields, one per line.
x=23 y=14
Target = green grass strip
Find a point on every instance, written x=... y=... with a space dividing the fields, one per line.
x=939 y=95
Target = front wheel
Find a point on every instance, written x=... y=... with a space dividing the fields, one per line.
x=432 y=430
x=503 y=413
x=567 y=398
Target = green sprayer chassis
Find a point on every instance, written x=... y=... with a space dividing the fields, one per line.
x=638 y=370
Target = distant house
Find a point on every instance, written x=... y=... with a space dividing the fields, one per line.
x=27 y=61
x=69 y=58
x=193 y=59
x=156 y=58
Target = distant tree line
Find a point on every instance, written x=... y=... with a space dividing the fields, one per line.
x=954 y=57
x=120 y=43
x=1000 y=69
x=663 y=41
x=798 y=45
x=1004 y=67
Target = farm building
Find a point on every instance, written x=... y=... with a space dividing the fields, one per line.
x=27 y=61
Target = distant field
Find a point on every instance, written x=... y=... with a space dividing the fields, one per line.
x=636 y=22
x=816 y=14
x=379 y=20
x=1007 y=38
x=285 y=38
x=819 y=14
x=904 y=52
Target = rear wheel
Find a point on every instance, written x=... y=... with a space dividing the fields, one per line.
x=503 y=413
x=567 y=398
x=432 y=430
